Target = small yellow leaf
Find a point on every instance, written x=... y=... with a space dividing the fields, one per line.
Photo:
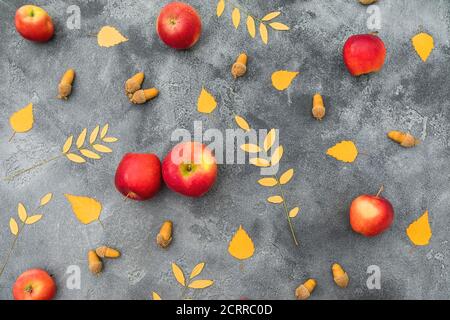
x=22 y=120
x=109 y=37
x=242 y=123
x=86 y=209
x=13 y=226
x=206 y=103
x=81 y=138
x=268 y=182
x=241 y=245
x=110 y=139
x=45 y=199
x=423 y=44
x=75 y=158
x=90 y=154
x=259 y=162
x=344 y=151
x=281 y=80
x=271 y=16
x=22 y=212
x=263 y=33
x=286 y=176
x=251 y=148
x=178 y=273
x=94 y=134
x=236 y=17
x=220 y=7
x=104 y=131
x=101 y=148
x=200 y=284
x=251 y=26
x=67 y=144
x=276 y=156
x=419 y=232
x=294 y=212
x=197 y=270
x=279 y=26
x=275 y=199
x=33 y=219
x=270 y=139
x=156 y=296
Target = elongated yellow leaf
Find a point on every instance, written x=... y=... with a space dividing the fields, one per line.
x=45 y=199
x=286 y=176
x=156 y=296
x=22 y=120
x=94 y=134
x=294 y=212
x=271 y=16
x=86 y=209
x=67 y=144
x=101 y=148
x=251 y=26
x=22 y=212
x=419 y=232
x=270 y=139
x=197 y=270
x=279 y=26
x=250 y=148
x=242 y=123
x=13 y=226
x=90 y=154
x=263 y=33
x=109 y=36
x=33 y=219
x=268 y=182
x=276 y=156
x=259 y=162
x=81 y=138
x=423 y=44
x=200 y=284
x=275 y=199
x=178 y=273
x=220 y=7
x=282 y=79
x=344 y=151
x=206 y=103
x=75 y=158
x=236 y=17
x=241 y=245
x=104 y=131
x=110 y=139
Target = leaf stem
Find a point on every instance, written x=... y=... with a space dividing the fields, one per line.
x=244 y=10
x=12 y=136
x=11 y=249
x=291 y=227
x=37 y=165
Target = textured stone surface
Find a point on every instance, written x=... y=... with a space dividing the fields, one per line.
x=407 y=95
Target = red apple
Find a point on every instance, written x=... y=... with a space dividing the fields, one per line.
x=370 y=215
x=34 y=23
x=364 y=53
x=138 y=176
x=179 y=25
x=34 y=284
x=190 y=169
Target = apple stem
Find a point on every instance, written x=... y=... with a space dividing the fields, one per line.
x=380 y=191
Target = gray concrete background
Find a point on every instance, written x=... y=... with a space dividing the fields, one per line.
x=407 y=95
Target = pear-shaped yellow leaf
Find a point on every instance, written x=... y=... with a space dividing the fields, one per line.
x=242 y=123
x=275 y=199
x=271 y=16
x=279 y=26
x=90 y=154
x=81 y=138
x=156 y=296
x=197 y=270
x=86 y=209
x=259 y=162
x=45 y=199
x=101 y=148
x=270 y=139
x=178 y=273
x=419 y=232
x=109 y=36
x=13 y=226
x=220 y=7
x=241 y=245
x=104 y=131
x=94 y=134
x=110 y=139
x=67 y=144
x=264 y=33
x=22 y=212
x=22 y=120
x=294 y=212
x=251 y=148
x=276 y=156
x=75 y=158
x=344 y=151
x=268 y=182
x=423 y=44
x=236 y=17
x=281 y=80
x=206 y=103
x=33 y=219
x=251 y=26
x=286 y=176
x=200 y=284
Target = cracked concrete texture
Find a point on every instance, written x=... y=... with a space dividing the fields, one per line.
x=407 y=95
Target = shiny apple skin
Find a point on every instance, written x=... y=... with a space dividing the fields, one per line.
x=364 y=54
x=34 y=23
x=34 y=284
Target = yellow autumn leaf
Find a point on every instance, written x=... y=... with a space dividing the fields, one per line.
x=276 y=156
x=22 y=120
x=206 y=103
x=22 y=212
x=110 y=139
x=286 y=176
x=419 y=232
x=236 y=17
x=275 y=199
x=67 y=144
x=264 y=33
x=242 y=123
x=45 y=199
x=94 y=134
x=241 y=245
x=197 y=270
x=200 y=284
x=81 y=138
x=90 y=154
x=109 y=36
x=344 y=151
x=259 y=162
x=269 y=139
x=251 y=26
x=33 y=219
x=220 y=7
x=268 y=182
x=271 y=16
x=101 y=148
x=294 y=212
x=86 y=209
x=423 y=43
x=75 y=158
x=104 y=131
x=282 y=79
x=156 y=296
x=178 y=273
x=279 y=26
x=250 y=148
x=13 y=226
